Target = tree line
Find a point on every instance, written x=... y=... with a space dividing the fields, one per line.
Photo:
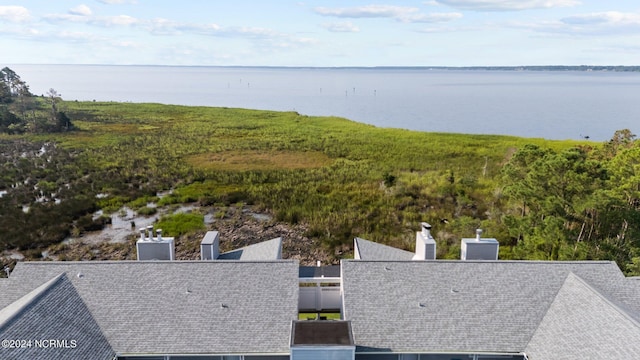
x=22 y=112
x=580 y=203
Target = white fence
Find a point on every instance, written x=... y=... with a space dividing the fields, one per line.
x=319 y=294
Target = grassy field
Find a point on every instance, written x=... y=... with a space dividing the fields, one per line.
x=342 y=178
x=334 y=178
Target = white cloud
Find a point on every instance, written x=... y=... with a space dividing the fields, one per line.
x=448 y=29
x=603 y=23
x=433 y=17
x=611 y=18
x=76 y=36
x=260 y=38
x=160 y=26
x=81 y=10
x=399 y=13
x=118 y=2
x=50 y=36
x=304 y=41
x=125 y=44
x=507 y=5
x=369 y=11
x=547 y=26
x=246 y=31
x=341 y=27
x=104 y=21
x=14 y=13
x=120 y=20
x=54 y=18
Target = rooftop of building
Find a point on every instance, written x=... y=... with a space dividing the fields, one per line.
x=389 y=304
x=159 y=307
x=489 y=306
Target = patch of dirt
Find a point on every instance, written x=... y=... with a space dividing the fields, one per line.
x=240 y=228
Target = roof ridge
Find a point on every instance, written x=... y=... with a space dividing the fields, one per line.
x=610 y=302
x=14 y=309
x=535 y=331
x=572 y=276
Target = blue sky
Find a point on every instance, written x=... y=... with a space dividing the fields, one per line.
x=321 y=33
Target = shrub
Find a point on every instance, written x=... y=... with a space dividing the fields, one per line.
x=147 y=211
x=179 y=224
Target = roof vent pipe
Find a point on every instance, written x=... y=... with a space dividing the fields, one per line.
x=426 y=230
x=159 y=234
x=150 y=231
x=142 y=237
x=478 y=234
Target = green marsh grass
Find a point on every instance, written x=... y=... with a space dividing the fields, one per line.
x=326 y=172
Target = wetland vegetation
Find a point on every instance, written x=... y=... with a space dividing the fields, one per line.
x=333 y=178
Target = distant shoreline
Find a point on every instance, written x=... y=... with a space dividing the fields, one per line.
x=617 y=68
x=545 y=104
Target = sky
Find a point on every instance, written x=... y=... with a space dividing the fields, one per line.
x=320 y=33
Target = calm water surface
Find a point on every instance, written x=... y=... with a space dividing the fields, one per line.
x=547 y=104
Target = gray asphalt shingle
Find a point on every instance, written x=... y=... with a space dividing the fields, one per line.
x=263 y=251
x=548 y=310
x=53 y=322
x=440 y=306
x=583 y=324
x=369 y=250
x=180 y=307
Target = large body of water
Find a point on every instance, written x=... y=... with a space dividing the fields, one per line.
x=547 y=104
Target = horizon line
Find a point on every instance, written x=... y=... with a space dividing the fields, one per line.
x=550 y=66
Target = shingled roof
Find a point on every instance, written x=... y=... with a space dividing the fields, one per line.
x=544 y=310
x=262 y=251
x=369 y=250
x=577 y=320
x=484 y=306
x=203 y=307
x=52 y=322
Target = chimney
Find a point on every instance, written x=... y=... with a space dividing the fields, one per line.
x=210 y=246
x=158 y=248
x=150 y=231
x=479 y=248
x=425 y=244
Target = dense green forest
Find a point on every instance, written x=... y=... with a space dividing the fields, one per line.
x=64 y=160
